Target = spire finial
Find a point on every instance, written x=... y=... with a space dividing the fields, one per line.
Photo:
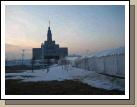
x=49 y=23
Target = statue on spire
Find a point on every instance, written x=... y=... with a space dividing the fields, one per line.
x=49 y=23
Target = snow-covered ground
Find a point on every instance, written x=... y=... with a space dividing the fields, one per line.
x=57 y=73
x=85 y=69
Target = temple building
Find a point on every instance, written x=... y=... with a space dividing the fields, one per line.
x=49 y=49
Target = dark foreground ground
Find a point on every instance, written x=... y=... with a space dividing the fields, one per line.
x=67 y=87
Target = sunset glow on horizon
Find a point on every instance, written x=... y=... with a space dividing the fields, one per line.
x=80 y=28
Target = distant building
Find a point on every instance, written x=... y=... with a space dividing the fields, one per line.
x=49 y=49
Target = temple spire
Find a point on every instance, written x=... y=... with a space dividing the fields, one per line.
x=49 y=34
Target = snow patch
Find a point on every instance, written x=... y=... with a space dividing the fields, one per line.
x=57 y=73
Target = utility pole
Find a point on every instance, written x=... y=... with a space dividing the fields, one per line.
x=43 y=60
x=23 y=51
x=86 y=60
x=32 y=63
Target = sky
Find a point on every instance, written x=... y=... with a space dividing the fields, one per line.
x=80 y=28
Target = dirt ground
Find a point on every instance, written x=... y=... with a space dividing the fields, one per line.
x=67 y=87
